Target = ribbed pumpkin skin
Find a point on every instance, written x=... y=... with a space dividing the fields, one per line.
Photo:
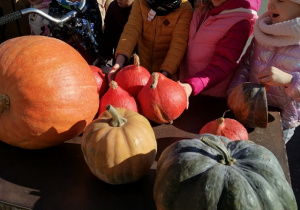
x=52 y=91
x=119 y=155
x=189 y=176
x=164 y=102
x=248 y=102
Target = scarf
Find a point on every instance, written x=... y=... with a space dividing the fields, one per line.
x=163 y=7
x=277 y=35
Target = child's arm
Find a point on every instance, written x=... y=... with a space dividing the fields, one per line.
x=242 y=71
x=179 y=40
x=225 y=59
x=188 y=90
x=273 y=76
x=131 y=32
x=293 y=90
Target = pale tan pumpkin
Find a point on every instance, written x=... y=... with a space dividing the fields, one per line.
x=120 y=146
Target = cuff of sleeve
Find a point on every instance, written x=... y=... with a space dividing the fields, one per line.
x=197 y=85
x=165 y=73
x=126 y=58
x=293 y=89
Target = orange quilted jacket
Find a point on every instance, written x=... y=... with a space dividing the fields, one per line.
x=161 y=42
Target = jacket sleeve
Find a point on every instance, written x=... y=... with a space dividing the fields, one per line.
x=132 y=31
x=225 y=59
x=242 y=72
x=294 y=89
x=179 y=40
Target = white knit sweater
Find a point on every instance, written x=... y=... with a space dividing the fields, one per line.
x=278 y=35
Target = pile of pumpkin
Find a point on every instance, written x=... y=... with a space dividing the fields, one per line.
x=53 y=97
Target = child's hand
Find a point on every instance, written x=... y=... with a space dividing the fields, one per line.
x=120 y=60
x=112 y=73
x=188 y=90
x=275 y=77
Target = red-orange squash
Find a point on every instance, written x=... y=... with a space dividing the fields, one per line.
x=227 y=127
x=102 y=83
x=48 y=93
x=248 y=102
x=120 y=146
x=117 y=97
x=162 y=100
x=133 y=78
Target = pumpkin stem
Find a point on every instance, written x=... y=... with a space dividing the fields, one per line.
x=155 y=76
x=221 y=120
x=113 y=84
x=117 y=120
x=4 y=102
x=226 y=159
x=136 y=59
x=225 y=112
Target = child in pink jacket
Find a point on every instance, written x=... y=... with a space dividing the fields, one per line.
x=273 y=59
x=218 y=33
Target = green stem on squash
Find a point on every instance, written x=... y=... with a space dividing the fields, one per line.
x=154 y=83
x=117 y=120
x=226 y=158
x=4 y=102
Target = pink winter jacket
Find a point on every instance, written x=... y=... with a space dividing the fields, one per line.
x=256 y=59
x=215 y=48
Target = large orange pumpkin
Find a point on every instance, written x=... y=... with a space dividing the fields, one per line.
x=48 y=93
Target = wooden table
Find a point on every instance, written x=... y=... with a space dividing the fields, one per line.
x=58 y=177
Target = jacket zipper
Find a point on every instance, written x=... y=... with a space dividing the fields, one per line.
x=151 y=66
x=203 y=22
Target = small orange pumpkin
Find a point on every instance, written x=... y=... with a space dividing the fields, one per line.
x=120 y=146
x=227 y=127
x=101 y=80
x=133 y=78
x=117 y=97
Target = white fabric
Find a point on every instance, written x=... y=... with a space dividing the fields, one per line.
x=288 y=134
x=296 y=1
x=280 y=34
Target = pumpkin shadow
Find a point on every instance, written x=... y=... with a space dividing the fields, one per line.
x=61 y=137
x=163 y=143
x=202 y=109
x=59 y=178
